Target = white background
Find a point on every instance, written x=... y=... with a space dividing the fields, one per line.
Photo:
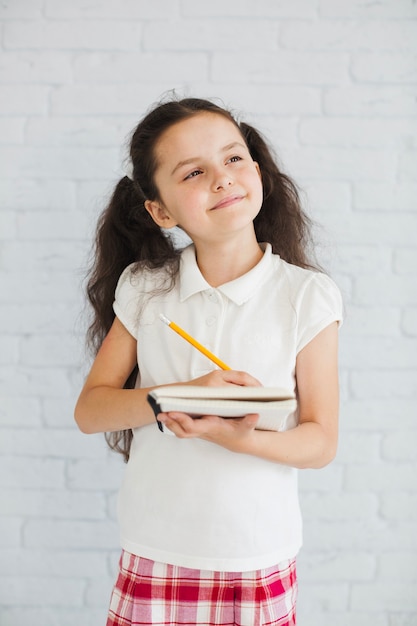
x=332 y=83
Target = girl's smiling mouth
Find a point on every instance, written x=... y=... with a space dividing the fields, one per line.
x=228 y=201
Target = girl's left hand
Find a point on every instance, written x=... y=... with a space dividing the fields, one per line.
x=231 y=433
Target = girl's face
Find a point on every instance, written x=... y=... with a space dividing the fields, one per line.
x=208 y=183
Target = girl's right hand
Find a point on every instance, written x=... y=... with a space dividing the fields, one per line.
x=224 y=378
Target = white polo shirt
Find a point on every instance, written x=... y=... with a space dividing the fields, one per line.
x=189 y=502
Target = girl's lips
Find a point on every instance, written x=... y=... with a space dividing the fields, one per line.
x=227 y=201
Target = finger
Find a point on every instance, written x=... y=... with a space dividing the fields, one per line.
x=250 y=421
x=241 y=378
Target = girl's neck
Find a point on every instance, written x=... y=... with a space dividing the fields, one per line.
x=222 y=263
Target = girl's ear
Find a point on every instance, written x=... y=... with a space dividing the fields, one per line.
x=159 y=214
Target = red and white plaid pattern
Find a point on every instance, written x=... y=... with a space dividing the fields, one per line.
x=147 y=592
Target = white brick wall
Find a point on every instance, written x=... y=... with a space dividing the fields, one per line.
x=333 y=83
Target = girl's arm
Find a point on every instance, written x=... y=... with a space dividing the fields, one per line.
x=313 y=442
x=104 y=406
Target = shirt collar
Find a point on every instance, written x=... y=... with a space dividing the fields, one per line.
x=239 y=290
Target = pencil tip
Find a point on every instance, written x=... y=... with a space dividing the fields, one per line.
x=164 y=319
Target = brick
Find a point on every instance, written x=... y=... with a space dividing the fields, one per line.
x=267 y=99
x=401 y=446
x=348 y=34
x=405 y=261
x=315 y=68
x=55 y=255
x=8 y=226
x=61 y=35
x=193 y=35
x=54 y=534
x=59 y=163
x=156 y=67
x=68 y=616
x=43 y=318
x=358 y=132
x=339 y=506
x=360 y=535
x=328 y=196
x=386 y=414
x=388 y=596
x=383 y=477
x=409 y=322
x=279 y=132
x=338 y=164
x=33 y=287
x=362 y=259
x=380 y=100
x=36 y=66
x=51 y=443
x=400 y=292
x=99 y=591
x=53 y=503
x=24 y=100
x=389 y=228
x=364 y=10
x=12 y=130
x=358 y=448
x=116 y=9
x=399 y=506
x=9 y=350
x=129 y=99
x=34 y=382
x=112 y=507
x=246 y=8
x=49 y=350
x=384 y=67
x=79 y=131
x=26 y=9
x=385 y=196
x=103 y=474
x=407 y=166
x=59 y=564
x=37 y=194
x=58 y=411
x=384 y=384
x=26 y=591
x=381 y=353
x=331 y=596
x=343 y=618
x=39 y=473
x=19 y=412
x=313 y=567
x=10 y=532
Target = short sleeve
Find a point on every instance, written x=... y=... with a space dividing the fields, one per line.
x=126 y=302
x=320 y=304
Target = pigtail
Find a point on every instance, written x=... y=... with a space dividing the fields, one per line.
x=125 y=234
x=281 y=221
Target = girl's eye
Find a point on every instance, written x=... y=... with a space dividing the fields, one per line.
x=234 y=159
x=193 y=174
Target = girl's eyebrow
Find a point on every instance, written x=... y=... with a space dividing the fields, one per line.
x=229 y=146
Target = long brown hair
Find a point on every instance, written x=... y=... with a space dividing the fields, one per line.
x=127 y=234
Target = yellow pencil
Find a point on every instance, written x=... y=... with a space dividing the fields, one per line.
x=194 y=343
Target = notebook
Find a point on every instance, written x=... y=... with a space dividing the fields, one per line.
x=274 y=405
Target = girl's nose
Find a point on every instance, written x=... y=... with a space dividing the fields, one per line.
x=222 y=180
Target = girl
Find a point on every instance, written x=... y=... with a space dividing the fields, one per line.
x=210 y=521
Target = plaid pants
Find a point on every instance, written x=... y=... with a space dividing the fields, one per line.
x=147 y=592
